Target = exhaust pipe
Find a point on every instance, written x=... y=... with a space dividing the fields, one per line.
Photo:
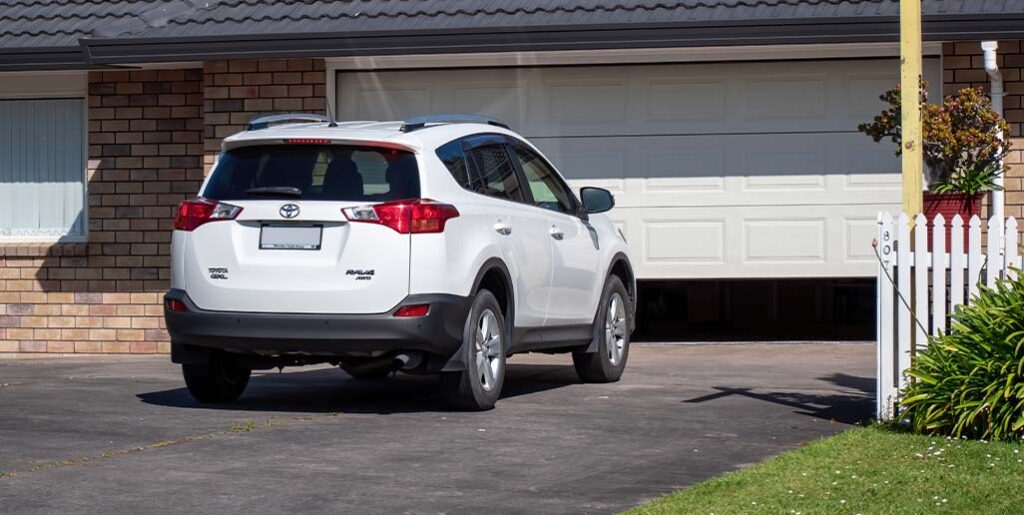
x=406 y=361
x=400 y=361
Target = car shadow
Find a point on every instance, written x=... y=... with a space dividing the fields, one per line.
x=854 y=404
x=329 y=390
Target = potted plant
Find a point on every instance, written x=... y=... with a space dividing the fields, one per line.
x=962 y=146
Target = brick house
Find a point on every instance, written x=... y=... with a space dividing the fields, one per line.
x=112 y=112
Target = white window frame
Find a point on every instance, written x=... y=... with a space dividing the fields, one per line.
x=46 y=85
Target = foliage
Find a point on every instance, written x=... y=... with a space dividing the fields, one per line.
x=961 y=138
x=970 y=382
x=869 y=470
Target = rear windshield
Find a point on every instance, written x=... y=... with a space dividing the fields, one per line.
x=314 y=172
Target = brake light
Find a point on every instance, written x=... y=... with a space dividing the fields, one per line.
x=176 y=305
x=405 y=216
x=414 y=310
x=308 y=141
x=198 y=211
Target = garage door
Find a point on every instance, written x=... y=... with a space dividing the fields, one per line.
x=719 y=170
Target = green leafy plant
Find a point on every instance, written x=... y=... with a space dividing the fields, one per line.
x=970 y=382
x=961 y=139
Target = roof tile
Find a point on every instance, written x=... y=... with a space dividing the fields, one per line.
x=61 y=23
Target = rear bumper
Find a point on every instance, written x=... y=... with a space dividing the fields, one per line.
x=439 y=332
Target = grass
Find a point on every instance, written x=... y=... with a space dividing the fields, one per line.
x=866 y=470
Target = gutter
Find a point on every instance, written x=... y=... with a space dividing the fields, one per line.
x=545 y=38
x=996 y=78
x=97 y=52
x=42 y=58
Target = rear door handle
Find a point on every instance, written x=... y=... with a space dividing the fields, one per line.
x=503 y=228
x=556 y=233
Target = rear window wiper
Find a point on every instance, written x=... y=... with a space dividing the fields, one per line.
x=286 y=191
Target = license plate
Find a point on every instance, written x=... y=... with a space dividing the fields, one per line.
x=290 y=237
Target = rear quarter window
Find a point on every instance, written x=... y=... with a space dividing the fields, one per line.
x=314 y=172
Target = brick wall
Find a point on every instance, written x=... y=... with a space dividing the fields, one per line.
x=235 y=91
x=150 y=133
x=145 y=147
x=963 y=66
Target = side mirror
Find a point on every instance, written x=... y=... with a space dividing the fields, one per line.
x=596 y=200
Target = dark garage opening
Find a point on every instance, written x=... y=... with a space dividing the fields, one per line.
x=756 y=310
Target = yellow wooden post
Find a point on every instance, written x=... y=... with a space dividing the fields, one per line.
x=910 y=77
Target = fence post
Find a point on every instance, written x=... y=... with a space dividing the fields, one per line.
x=939 y=275
x=957 y=263
x=885 y=360
x=994 y=263
x=974 y=257
x=920 y=288
x=1011 y=259
x=904 y=329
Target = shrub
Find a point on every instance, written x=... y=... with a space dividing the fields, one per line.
x=970 y=382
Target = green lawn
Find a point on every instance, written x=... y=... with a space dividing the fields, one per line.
x=870 y=470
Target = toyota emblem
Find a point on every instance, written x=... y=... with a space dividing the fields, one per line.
x=289 y=211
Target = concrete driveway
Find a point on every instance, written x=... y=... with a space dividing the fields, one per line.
x=121 y=435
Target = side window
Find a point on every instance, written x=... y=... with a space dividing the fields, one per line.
x=373 y=166
x=453 y=157
x=497 y=174
x=320 y=169
x=548 y=191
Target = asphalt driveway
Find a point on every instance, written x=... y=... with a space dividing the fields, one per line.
x=121 y=435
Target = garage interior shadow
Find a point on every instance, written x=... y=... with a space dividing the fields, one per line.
x=756 y=310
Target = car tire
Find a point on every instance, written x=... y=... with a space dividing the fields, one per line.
x=484 y=345
x=218 y=380
x=612 y=332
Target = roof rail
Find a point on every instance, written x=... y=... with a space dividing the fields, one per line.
x=420 y=122
x=262 y=122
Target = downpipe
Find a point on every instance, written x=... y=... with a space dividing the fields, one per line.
x=989 y=49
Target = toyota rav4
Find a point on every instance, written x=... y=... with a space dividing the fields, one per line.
x=439 y=245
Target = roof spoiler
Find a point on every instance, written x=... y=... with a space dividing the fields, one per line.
x=262 y=122
x=420 y=122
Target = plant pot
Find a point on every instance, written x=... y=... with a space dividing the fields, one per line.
x=950 y=205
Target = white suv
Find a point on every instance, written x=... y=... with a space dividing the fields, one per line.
x=440 y=245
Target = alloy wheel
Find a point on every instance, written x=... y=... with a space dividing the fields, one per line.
x=615 y=329
x=487 y=343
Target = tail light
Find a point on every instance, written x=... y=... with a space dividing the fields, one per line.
x=176 y=305
x=405 y=216
x=198 y=211
x=413 y=310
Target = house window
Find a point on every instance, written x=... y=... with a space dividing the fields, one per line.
x=42 y=170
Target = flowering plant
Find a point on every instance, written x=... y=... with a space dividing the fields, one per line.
x=962 y=142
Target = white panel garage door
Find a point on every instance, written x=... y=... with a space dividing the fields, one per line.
x=719 y=170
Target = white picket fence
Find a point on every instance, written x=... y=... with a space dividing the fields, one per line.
x=918 y=290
